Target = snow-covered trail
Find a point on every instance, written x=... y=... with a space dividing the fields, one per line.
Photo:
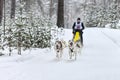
x=100 y=60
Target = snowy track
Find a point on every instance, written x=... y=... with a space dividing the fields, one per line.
x=100 y=60
x=114 y=38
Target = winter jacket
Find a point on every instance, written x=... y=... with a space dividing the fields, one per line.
x=80 y=30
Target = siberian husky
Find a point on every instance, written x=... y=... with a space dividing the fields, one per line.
x=59 y=46
x=74 y=48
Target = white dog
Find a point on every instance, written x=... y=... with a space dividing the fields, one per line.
x=59 y=46
x=74 y=48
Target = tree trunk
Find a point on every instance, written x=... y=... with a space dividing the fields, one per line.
x=51 y=9
x=94 y=1
x=28 y=4
x=41 y=6
x=13 y=5
x=105 y=4
x=19 y=33
x=1 y=10
x=60 y=13
x=4 y=3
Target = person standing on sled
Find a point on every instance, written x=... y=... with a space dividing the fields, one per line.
x=78 y=27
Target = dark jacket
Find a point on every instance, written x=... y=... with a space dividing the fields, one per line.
x=74 y=30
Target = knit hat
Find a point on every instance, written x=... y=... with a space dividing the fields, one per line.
x=78 y=18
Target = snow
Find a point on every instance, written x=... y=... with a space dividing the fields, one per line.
x=100 y=60
x=108 y=26
x=118 y=25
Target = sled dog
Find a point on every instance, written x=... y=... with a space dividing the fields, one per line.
x=74 y=48
x=59 y=46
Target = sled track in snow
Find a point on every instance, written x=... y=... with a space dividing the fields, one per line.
x=113 y=40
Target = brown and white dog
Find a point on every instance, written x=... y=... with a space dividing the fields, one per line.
x=74 y=48
x=59 y=46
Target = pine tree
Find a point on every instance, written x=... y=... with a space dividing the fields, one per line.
x=113 y=14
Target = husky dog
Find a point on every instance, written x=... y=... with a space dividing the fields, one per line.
x=74 y=48
x=71 y=48
x=59 y=46
x=78 y=47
